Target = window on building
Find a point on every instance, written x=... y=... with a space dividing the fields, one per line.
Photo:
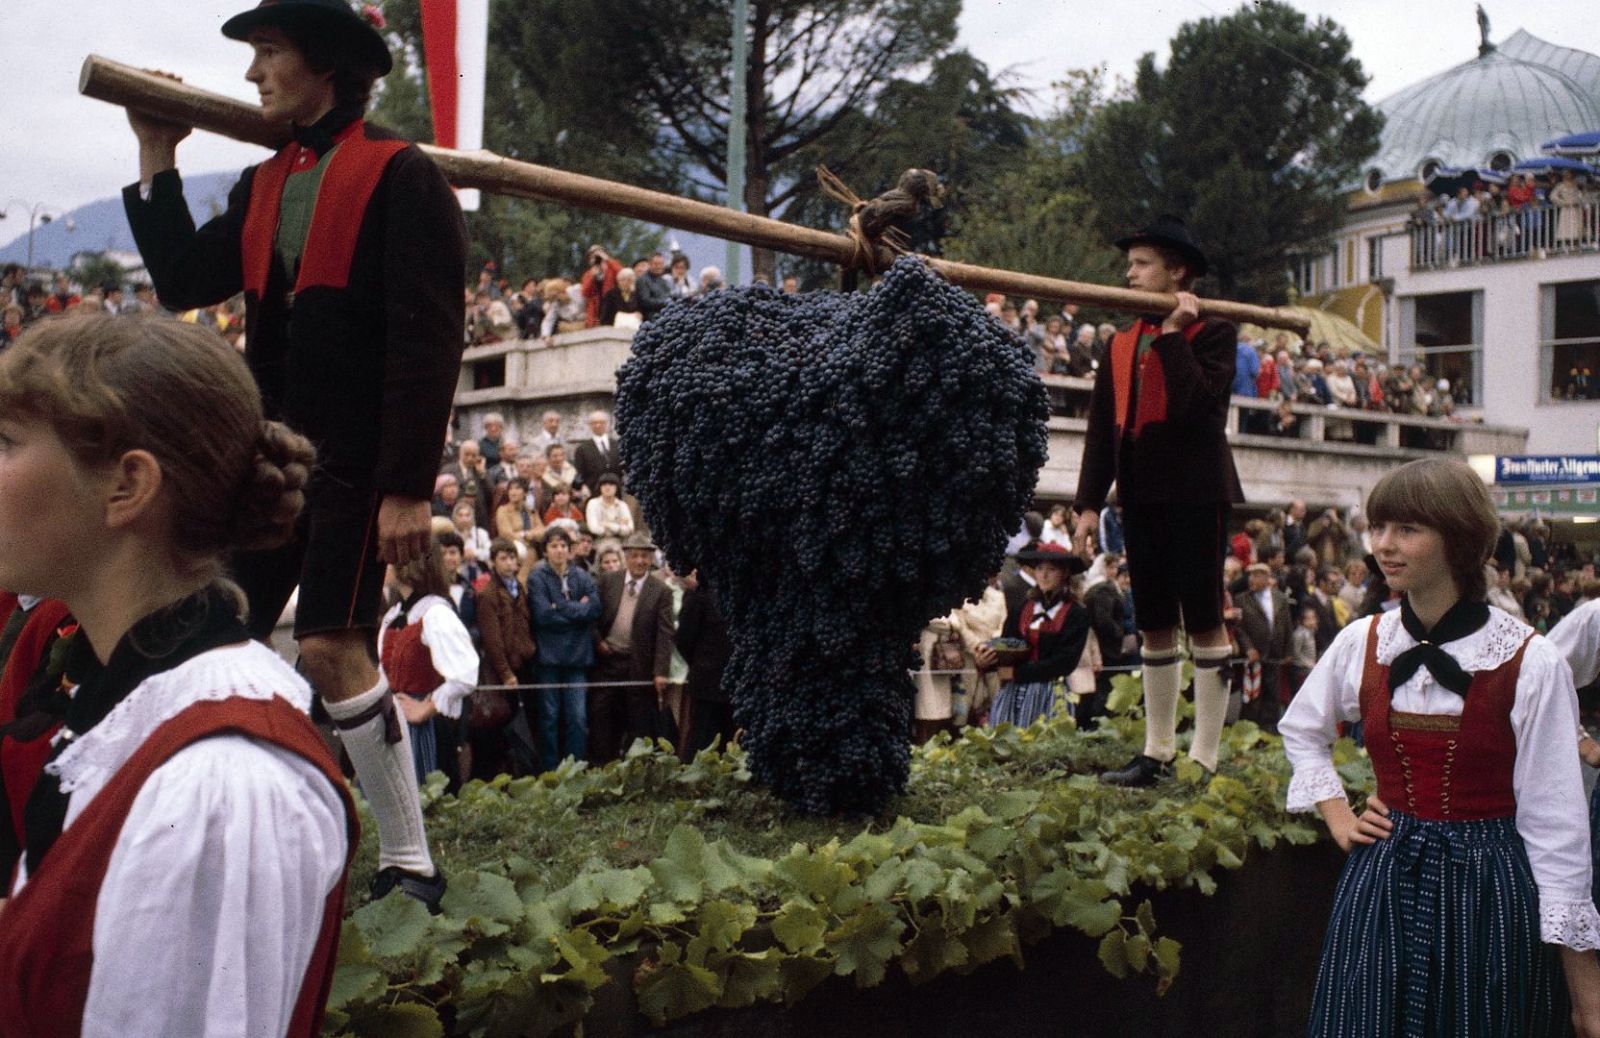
x=1374 y=258
x=1303 y=274
x=1569 y=319
x=1444 y=334
x=1502 y=161
x=1350 y=261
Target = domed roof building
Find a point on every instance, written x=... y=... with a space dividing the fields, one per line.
x=1500 y=303
x=1488 y=112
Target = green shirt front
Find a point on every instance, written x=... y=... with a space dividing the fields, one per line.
x=295 y=210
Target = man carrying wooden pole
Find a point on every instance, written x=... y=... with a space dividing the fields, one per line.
x=160 y=96
x=349 y=248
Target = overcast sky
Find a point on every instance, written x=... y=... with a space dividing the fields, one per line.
x=63 y=149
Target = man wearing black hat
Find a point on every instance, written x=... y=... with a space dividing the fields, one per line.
x=1156 y=429
x=349 y=248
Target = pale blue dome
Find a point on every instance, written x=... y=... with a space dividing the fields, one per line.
x=1490 y=111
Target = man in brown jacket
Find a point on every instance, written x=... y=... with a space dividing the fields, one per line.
x=634 y=644
x=503 y=620
x=507 y=657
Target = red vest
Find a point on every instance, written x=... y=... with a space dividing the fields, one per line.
x=20 y=762
x=407 y=663
x=48 y=955
x=1150 y=378
x=347 y=186
x=1438 y=767
x=1033 y=634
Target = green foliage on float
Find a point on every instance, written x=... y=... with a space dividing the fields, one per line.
x=702 y=891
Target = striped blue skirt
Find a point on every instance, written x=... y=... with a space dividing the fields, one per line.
x=1022 y=703
x=1435 y=934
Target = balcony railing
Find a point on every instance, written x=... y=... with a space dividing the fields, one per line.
x=1529 y=233
x=1327 y=428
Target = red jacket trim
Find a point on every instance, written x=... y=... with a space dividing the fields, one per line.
x=347 y=187
x=1151 y=378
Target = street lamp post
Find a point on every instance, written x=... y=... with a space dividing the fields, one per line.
x=37 y=216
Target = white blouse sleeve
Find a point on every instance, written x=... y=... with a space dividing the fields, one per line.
x=1577 y=637
x=450 y=647
x=213 y=898
x=1331 y=694
x=1552 y=814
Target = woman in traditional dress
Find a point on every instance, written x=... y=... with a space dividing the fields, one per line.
x=187 y=843
x=427 y=657
x=1466 y=894
x=1055 y=626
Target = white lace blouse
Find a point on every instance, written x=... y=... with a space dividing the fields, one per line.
x=449 y=645
x=1552 y=815
x=213 y=897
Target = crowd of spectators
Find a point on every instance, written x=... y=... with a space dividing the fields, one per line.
x=1486 y=220
x=583 y=617
x=1284 y=371
x=24 y=301
x=1341 y=380
x=1292 y=579
x=605 y=293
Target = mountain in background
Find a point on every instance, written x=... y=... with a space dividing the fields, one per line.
x=102 y=226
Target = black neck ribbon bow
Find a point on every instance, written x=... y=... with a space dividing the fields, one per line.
x=319 y=136
x=1460 y=620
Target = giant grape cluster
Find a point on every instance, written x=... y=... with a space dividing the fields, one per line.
x=840 y=468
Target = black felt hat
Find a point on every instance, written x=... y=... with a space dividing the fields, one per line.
x=356 y=32
x=1054 y=554
x=1172 y=233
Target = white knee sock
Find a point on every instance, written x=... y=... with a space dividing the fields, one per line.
x=388 y=779
x=1162 y=671
x=1210 y=702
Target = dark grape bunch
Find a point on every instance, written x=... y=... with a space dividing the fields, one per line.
x=840 y=468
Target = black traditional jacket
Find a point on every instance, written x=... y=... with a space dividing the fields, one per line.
x=361 y=352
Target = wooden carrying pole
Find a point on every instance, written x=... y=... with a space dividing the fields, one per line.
x=156 y=95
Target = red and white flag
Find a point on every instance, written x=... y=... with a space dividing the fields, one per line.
x=455 y=45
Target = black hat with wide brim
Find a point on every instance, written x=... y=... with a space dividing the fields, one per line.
x=1172 y=233
x=1054 y=554
x=358 y=36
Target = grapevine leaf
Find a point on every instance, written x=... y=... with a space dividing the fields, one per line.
x=681 y=868
x=400 y=1020
x=1166 y=954
x=356 y=983
x=1137 y=949
x=994 y=938
x=1069 y=900
x=585 y=954
x=1145 y=917
x=864 y=944
x=801 y=974
x=487 y=901
x=751 y=977
x=722 y=923
x=932 y=952
x=675 y=990
x=799 y=927
x=392 y=927
x=1114 y=953
x=1013 y=804
x=813 y=873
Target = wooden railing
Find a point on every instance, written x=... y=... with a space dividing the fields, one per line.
x=1333 y=427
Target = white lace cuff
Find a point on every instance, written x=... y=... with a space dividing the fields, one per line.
x=1313 y=784
x=1574 y=924
x=448 y=697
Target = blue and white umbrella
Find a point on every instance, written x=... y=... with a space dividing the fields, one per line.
x=1548 y=164
x=1574 y=145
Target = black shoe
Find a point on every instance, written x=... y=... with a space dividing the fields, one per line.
x=1141 y=771
x=427 y=889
